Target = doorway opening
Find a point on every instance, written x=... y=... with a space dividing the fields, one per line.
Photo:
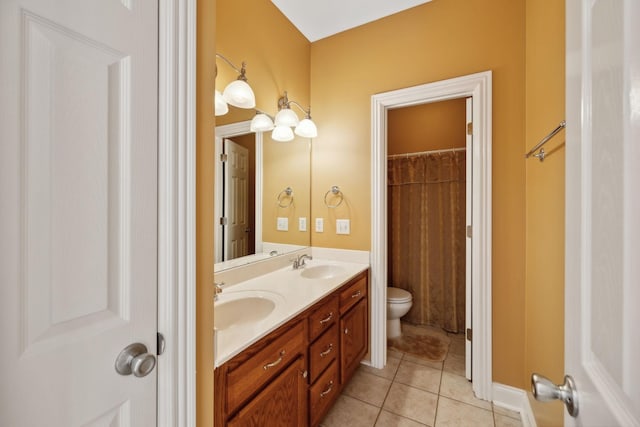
x=478 y=88
x=428 y=251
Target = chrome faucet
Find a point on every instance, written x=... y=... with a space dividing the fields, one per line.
x=299 y=262
x=219 y=287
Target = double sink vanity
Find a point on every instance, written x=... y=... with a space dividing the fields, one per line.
x=286 y=342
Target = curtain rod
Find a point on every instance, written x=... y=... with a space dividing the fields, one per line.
x=419 y=153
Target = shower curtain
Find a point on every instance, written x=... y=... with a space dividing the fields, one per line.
x=426 y=235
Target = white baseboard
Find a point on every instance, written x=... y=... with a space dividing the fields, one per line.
x=514 y=399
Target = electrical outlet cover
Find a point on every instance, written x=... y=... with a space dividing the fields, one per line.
x=302 y=224
x=319 y=225
x=282 y=224
x=343 y=226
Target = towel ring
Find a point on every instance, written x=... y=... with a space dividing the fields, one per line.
x=287 y=192
x=335 y=190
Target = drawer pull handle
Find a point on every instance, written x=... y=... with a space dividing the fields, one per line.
x=327 y=351
x=356 y=294
x=326 y=319
x=328 y=389
x=272 y=364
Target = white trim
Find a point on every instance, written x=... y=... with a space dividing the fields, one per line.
x=514 y=399
x=477 y=86
x=176 y=212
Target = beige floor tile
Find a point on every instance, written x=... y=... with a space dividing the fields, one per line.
x=507 y=412
x=351 y=412
x=410 y=402
x=454 y=363
x=458 y=388
x=368 y=387
x=457 y=347
x=421 y=361
x=454 y=413
x=395 y=353
x=419 y=376
x=388 y=372
x=387 y=419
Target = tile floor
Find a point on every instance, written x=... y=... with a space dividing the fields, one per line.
x=413 y=392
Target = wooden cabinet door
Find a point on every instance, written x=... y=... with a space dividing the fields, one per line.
x=353 y=339
x=283 y=403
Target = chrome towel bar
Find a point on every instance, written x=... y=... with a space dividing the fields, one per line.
x=540 y=155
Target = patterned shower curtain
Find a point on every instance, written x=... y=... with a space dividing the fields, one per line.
x=426 y=212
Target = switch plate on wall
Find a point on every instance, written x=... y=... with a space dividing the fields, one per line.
x=319 y=225
x=343 y=226
x=282 y=224
x=302 y=223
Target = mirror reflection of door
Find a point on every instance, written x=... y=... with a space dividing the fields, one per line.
x=238 y=226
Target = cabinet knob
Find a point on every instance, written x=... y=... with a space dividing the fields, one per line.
x=327 y=390
x=327 y=351
x=346 y=331
x=272 y=364
x=326 y=319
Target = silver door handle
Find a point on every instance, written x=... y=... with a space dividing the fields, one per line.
x=135 y=360
x=545 y=390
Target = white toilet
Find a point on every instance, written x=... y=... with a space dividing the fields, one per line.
x=399 y=303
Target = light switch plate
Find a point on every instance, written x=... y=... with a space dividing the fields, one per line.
x=343 y=226
x=282 y=224
x=302 y=224
x=319 y=225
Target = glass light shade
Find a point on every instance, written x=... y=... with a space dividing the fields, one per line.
x=261 y=123
x=307 y=129
x=282 y=134
x=221 y=107
x=239 y=94
x=286 y=117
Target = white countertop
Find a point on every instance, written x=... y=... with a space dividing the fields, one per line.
x=298 y=293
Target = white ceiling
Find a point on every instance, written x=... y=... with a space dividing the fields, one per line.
x=317 y=19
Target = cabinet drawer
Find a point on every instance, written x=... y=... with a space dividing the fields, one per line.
x=323 y=351
x=322 y=318
x=354 y=293
x=251 y=375
x=283 y=402
x=323 y=393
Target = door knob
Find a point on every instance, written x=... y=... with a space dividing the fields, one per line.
x=544 y=390
x=135 y=360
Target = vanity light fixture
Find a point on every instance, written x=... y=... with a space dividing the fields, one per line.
x=237 y=93
x=284 y=121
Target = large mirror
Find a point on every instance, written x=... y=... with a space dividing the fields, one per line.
x=262 y=195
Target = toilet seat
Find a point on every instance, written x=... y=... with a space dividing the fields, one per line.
x=398 y=296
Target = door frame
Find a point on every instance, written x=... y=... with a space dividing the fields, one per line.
x=176 y=398
x=479 y=87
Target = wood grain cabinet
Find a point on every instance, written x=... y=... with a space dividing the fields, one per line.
x=292 y=376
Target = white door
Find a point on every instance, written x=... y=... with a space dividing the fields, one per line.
x=78 y=194
x=602 y=297
x=236 y=200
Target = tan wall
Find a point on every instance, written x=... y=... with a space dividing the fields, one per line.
x=544 y=295
x=435 y=41
x=205 y=123
x=435 y=126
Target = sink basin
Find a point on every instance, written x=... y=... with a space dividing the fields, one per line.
x=243 y=308
x=326 y=271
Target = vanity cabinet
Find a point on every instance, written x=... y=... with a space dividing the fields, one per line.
x=354 y=331
x=292 y=376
